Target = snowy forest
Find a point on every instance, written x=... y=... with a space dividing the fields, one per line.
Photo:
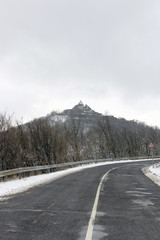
x=40 y=143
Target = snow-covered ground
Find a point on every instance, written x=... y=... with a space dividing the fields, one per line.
x=153 y=172
x=8 y=189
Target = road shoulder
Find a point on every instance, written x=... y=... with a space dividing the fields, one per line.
x=153 y=173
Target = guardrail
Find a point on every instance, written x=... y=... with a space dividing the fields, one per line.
x=51 y=168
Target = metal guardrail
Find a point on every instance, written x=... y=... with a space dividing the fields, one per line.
x=19 y=171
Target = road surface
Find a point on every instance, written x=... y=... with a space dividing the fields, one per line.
x=128 y=207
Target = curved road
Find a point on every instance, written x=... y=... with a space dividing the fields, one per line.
x=128 y=207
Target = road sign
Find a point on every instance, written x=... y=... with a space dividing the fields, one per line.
x=151 y=145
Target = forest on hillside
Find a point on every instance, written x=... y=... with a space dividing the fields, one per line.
x=40 y=143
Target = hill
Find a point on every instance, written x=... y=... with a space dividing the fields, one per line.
x=80 y=113
x=88 y=118
x=72 y=135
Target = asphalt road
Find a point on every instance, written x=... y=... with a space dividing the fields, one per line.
x=128 y=207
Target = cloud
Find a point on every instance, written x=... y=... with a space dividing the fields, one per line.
x=105 y=53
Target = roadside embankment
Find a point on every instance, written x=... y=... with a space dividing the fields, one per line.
x=153 y=172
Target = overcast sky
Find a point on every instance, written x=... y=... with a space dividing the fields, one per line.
x=54 y=53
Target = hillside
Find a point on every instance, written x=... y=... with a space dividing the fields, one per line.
x=88 y=118
x=80 y=113
x=72 y=135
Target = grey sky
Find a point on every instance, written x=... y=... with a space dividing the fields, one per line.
x=106 y=53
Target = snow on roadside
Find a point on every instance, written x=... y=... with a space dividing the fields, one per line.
x=7 y=189
x=153 y=172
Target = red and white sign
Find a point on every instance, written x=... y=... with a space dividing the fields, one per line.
x=151 y=145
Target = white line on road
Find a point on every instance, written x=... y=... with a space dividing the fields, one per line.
x=94 y=210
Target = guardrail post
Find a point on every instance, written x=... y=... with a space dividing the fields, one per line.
x=5 y=178
x=19 y=175
x=31 y=173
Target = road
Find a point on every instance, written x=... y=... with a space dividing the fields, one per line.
x=128 y=207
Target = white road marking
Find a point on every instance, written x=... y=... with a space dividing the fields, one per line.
x=94 y=210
